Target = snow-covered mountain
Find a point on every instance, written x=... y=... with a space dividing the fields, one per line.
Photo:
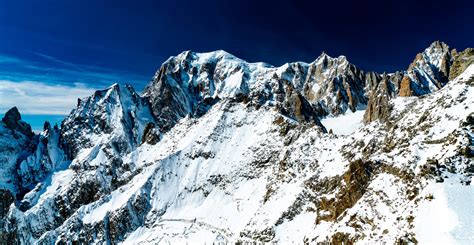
x=220 y=150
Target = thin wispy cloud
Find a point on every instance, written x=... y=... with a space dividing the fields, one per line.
x=51 y=86
x=9 y=60
x=62 y=62
x=60 y=71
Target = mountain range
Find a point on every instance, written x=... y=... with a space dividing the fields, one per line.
x=217 y=150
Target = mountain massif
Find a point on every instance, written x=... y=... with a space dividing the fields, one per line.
x=216 y=150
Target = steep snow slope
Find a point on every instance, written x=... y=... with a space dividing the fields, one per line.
x=242 y=173
x=448 y=218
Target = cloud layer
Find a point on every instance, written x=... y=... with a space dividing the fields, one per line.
x=41 y=98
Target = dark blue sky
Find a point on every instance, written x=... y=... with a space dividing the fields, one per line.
x=96 y=42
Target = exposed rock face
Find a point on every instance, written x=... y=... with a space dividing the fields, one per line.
x=461 y=61
x=379 y=106
x=428 y=72
x=350 y=189
x=42 y=155
x=406 y=87
x=329 y=78
x=150 y=134
x=12 y=120
x=6 y=199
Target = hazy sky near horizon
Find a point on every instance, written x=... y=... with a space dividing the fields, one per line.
x=52 y=52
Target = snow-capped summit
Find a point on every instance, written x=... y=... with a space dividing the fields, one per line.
x=190 y=83
x=194 y=81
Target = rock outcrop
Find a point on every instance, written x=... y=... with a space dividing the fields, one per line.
x=429 y=72
x=12 y=120
x=461 y=62
x=379 y=107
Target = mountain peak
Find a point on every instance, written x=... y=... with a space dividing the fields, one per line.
x=12 y=115
x=211 y=56
x=12 y=120
x=429 y=70
x=438 y=45
x=326 y=60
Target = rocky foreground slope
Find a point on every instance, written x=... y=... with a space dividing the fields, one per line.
x=220 y=150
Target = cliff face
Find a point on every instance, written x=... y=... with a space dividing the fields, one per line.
x=116 y=116
x=461 y=62
x=379 y=107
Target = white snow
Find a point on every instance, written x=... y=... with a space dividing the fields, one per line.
x=449 y=217
x=345 y=124
x=232 y=85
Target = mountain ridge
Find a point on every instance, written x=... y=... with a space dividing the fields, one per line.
x=213 y=133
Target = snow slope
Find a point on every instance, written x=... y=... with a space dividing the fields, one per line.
x=448 y=218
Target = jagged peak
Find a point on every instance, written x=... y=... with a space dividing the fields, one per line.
x=437 y=45
x=115 y=92
x=434 y=55
x=325 y=58
x=12 y=120
x=114 y=88
x=323 y=55
x=104 y=92
x=12 y=114
x=46 y=126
